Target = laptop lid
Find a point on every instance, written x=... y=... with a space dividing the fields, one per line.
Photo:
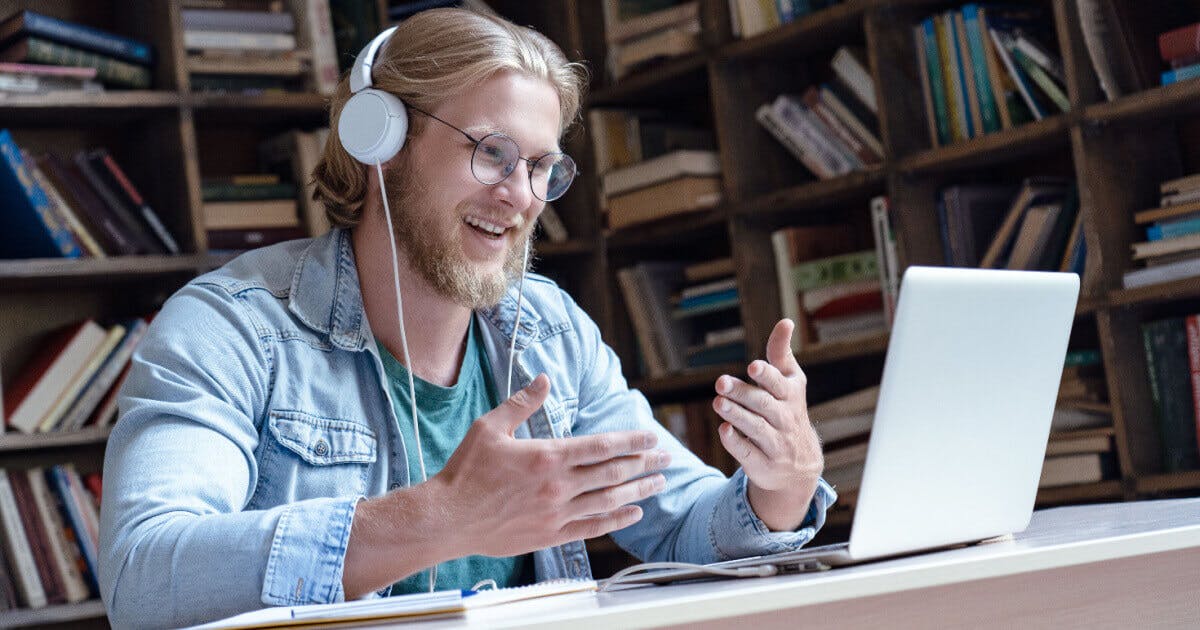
x=968 y=392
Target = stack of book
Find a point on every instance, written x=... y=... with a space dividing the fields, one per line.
x=238 y=198
x=671 y=184
x=28 y=37
x=1082 y=384
x=694 y=423
x=50 y=526
x=291 y=155
x=642 y=32
x=684 y=316
x=985 y=68
x=247 y=51
x=1180 y=49
x=844 y=425
x=751 y=17
x=1034 y=226
x=27 y=78
x=52 y=207
x=1171 y=250
x=831 y=129
x=73 y=378
x=833 y=291
x=1172 y=348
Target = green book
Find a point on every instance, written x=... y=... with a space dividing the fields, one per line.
x=109 y=70
x=1043 y=80
x=824 y=272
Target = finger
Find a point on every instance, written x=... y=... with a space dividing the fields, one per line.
x=609 y=499
x=511 y=413
x=779 y=348
x=618 y=470
x=601 y=524
x=770 y=378
x=753 y=426
x=593 y=449
x=752 y=397
x=741 y=448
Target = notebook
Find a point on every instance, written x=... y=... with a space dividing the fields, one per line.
x=415 y=605
x=960 y=430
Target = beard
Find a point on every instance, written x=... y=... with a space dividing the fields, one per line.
x=437 y=255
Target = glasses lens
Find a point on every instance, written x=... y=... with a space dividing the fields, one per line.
x=494 y=159
x=552 y=176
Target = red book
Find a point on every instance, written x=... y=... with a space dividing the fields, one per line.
x=1193 y=347
x=852 y=304
x=1181 y=42
x=94 y=485
x=55 y=591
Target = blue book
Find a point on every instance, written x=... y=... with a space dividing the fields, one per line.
x=31 y=227
x=937 y=84
x=983 y=83
x=1173 y=229
x=60 y=484
x=1181 y=74
x=78 y=35
x=956 y=67
x=709 y=298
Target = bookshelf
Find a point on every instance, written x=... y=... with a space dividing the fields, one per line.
x=168 y=137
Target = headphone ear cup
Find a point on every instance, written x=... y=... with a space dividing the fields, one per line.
x=372 y=126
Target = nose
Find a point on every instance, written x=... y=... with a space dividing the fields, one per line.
x=516 y=190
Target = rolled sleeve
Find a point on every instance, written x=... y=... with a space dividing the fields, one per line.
x=737 y=532
x=308 y=553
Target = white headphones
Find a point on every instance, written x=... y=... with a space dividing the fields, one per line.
x=373 y=123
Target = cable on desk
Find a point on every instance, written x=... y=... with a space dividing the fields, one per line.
x=765 y=570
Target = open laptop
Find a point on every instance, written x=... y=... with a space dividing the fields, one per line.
x=960 y=430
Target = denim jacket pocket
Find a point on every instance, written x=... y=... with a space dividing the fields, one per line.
x=309 y=456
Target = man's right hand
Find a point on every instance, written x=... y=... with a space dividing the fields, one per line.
x=510 y=496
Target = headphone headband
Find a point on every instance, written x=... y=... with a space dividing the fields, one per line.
x=360 y=75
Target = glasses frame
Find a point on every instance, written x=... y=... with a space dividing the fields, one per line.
x=530 y=163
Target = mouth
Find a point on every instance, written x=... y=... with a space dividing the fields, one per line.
x=487 y=229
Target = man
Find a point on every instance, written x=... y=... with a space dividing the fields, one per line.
x=270 y=397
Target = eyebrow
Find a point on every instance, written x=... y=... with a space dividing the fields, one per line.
x=479 y=131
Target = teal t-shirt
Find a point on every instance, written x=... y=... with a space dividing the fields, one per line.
x=445 y=415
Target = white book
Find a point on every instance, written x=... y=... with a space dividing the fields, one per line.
x=16 y=547
x=708 y=287
x=797 y=117
x=1067 y=470
x=64 y=557
x=815 y=299
x=856 y=77
x=660 y=169
x=848 y=118
x=57 y=378
x=316 y=32
x=234 y=40
x=1162 y=273
x=789 y=298
x=853 y=403
x=1069 y=419
x=835 y=429
x=50 y=421
x=1165 y=246
x=766 y=117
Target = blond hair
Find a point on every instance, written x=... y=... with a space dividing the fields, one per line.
x=434 y=56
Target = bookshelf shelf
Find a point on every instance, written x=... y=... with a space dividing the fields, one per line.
x=298 y=102
x=816 y=194
x=994 y=147
x=812 y=32
x=573 y=247
x=65 y=107
x=1155 y=293
x=1169 y=482
x=1102 y=491
x=842 y=350
x=19 y=273
x=65 y=613
x=670 y=228
x=645 y=86
x=91 y=436
x=1173 y=100
x=693 y=380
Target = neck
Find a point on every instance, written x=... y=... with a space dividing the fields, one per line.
x=436 y=326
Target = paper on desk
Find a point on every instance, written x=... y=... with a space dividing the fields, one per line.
x=414 y=605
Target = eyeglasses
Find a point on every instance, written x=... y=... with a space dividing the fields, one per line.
x=496 y=155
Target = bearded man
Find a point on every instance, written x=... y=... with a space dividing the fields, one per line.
x=266 y=451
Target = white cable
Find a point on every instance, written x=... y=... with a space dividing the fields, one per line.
x=412 y=390
x=764 y=570
x=513 y=345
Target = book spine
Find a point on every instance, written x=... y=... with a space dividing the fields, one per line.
x=828 y=271
x=983 y=85
x=72 y=514
x=1181 y=42
x=33 y=200
x=108 y=69
x=128 y=223
x=105 y=377
x=879 y=230
x=55 y=593
x=131 y=193
x=20 y=555
x=74 y=587
x=1042 y=80
x=84 y=237
x=233 y=40
x=1193 y=346
x=1026 y=90
x=1178 y=424
x=89 y=38
x=113 y=238
x=317 y=27
x=937 y=82
x=226 y=20
x=1180 y=74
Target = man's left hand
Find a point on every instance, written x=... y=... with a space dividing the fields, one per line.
x=767 y=430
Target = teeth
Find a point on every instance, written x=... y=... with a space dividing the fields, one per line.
x=484 y=225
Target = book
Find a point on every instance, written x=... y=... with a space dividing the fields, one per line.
x=77 y=35
x=38 y=537
x=1066 y=470
x=1162 y=273
x=270 y=213
x=852 y=70
x=22 y=564
x=1075 y=444
x=415 y=605
x=48 y=373
x=1150 y=249
x=973 y=214
x=674 y=41
x=63 y=556
x=669 y=198
x=1166 y=212
x=853 y=403
x=1108 y=48
x=31 y=228
x=66 y=212
x=90 y=365
x=125 y=187
x=109 y=70
x=103 y=225
x=294 y=154
x=1166 y=347
x=105 y=377
x=707 y=270
x=1178 y=43
x=552 y=225
x=315 y=33
x=663 y=168
x=1034 y=190
x=823 y=272
x=105 y=187
x=644 y=24
x=238 y=40
x=1033 y=238
x=233 y=20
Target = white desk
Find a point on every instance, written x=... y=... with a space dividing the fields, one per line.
x=1124 y=565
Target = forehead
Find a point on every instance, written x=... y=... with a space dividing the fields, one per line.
x=518 y=105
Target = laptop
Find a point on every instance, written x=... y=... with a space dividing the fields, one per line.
x=963 y=418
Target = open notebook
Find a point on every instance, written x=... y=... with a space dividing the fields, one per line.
x=415 y=605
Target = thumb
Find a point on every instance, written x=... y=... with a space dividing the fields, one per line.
x=517 y=409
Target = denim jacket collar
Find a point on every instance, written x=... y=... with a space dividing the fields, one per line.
x=326 y=296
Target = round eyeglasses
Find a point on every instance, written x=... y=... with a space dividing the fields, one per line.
x=496 y=157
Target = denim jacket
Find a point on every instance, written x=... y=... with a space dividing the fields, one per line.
x=256 y=415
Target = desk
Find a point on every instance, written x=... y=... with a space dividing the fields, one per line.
x=1126 y=565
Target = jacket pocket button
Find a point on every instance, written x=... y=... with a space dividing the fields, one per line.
x=322 y=448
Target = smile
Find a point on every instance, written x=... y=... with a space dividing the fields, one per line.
x=486 y=227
